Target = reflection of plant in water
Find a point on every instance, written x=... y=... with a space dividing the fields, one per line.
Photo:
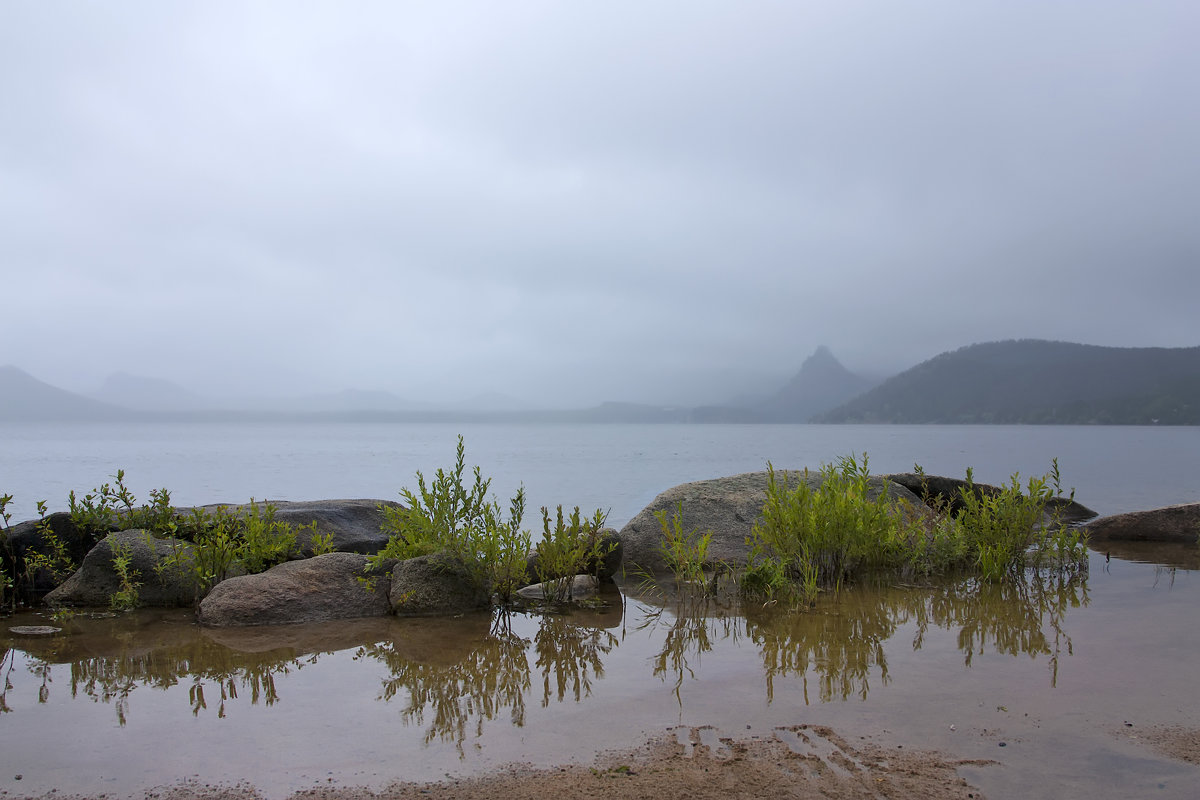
x=493 y=676
x=111 y=679
x=699 y=621
x=1012 y=618
x=37 y=667
x=259 y=679
x=6 y=664
x=841 y=640
x=571 y=654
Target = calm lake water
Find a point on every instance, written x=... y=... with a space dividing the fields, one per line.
x=619 y=468
x=1054 y=681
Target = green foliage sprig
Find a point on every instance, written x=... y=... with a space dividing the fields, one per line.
x=126 y=597
x=446 y=515
x=684 y=552
x=571 y=547
x=226 y=539
x=813 y=537
x=7 y=583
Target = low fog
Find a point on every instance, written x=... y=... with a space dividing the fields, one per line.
x=564 y=203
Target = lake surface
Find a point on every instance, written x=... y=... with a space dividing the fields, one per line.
x=619 y=468
x=1054 y=682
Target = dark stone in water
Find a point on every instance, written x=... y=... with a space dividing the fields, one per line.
x=34 y=630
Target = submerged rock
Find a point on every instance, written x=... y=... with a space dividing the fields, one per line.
x=1179 y=523
x=580 y=587
x=162 y=567
x=331 y=586
x=728 y=507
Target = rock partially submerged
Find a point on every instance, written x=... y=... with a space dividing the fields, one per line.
x=1179 y=523
x=160 y=566
x=330 y=586
x=579 y=587
x=728 y=507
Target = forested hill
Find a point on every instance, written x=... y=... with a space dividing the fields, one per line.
x=1038 y=382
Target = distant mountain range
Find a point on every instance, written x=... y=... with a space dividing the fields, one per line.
x=1026 y=382
x=23 y=398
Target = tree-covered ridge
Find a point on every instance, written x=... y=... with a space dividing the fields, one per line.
x=1038 y=382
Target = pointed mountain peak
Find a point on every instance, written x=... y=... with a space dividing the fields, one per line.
x=821 y=384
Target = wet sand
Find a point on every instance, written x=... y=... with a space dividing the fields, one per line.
x=799 y=762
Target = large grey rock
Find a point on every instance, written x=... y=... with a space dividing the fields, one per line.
x=331 y=586
x=1169 y=524
x=354 y=524
x=728 y=507
x=434 y=584
x=161 y=566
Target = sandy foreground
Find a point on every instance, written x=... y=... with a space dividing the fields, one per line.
x=799 y=762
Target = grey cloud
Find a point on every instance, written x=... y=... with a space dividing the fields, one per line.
x=599 y=196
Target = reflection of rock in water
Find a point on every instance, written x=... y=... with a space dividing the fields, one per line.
x=110 y=655
x=1168 y=554
x=436 y=641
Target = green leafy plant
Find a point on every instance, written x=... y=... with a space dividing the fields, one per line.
x=821 y=535
x=53 y=558
x=571 y=547
x=811 y=537
x=1005 y=530
x=320 y=543
x=446 y=515
x=126 y=597
x=7 y=557
x=226 y=539
x=684 y=552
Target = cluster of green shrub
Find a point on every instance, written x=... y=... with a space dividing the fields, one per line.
x=446 y=515
x=812 y=537
x=249 y=540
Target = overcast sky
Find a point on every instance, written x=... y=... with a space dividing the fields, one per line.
x=578 y=201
